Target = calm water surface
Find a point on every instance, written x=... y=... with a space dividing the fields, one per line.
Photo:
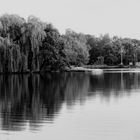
x=70 y=106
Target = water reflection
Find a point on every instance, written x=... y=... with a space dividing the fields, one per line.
x=33 y=99
x=114 y=84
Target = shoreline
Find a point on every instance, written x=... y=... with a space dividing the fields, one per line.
x=79 y=69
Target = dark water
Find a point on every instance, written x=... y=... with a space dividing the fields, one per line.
x=70 y=106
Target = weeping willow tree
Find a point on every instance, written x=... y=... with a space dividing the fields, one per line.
x=10 y=27
x=10 y=32
x=10 y=56
x=32 y=35
x=25 y=38
x=3 y=46
x=5 y=55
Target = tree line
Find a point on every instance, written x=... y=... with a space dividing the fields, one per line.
x=33 y=45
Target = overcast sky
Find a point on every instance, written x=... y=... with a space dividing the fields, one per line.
x=116 y=17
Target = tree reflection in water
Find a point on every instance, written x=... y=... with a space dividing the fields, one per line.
x=37 y=98
x=33 y=98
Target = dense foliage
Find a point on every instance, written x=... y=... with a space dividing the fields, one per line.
x=32 y=45
x=29 y=46
x=76 y=48
x=113 y=51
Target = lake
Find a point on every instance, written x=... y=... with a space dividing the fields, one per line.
x=70 y=106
